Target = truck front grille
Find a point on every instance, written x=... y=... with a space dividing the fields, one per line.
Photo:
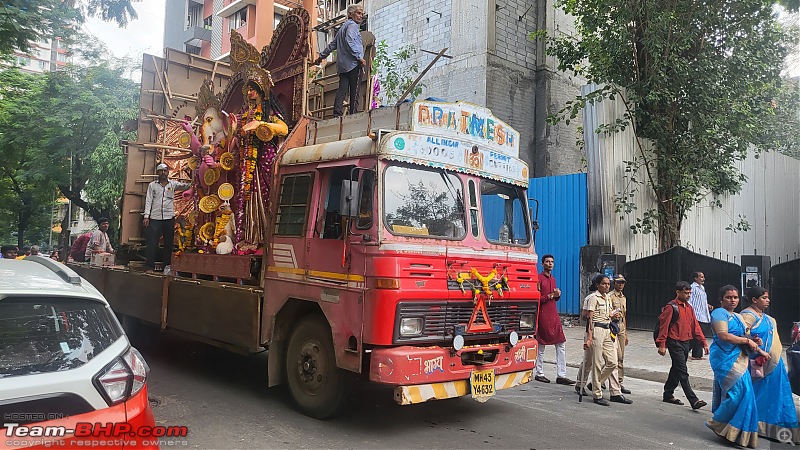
x=442 y=318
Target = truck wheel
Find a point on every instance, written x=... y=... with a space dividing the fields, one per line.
x=318 y=387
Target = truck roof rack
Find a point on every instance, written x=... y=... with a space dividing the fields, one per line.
x=64 y=272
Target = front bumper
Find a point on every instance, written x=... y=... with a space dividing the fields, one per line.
x=435 y=373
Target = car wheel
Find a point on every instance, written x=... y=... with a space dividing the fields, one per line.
x=318 y=386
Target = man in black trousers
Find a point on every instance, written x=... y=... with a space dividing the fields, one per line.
x=675 y=335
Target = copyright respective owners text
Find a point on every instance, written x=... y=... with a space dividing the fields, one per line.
x=88 y=434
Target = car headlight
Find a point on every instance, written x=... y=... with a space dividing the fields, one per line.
x=411 y=326
x=526 y=321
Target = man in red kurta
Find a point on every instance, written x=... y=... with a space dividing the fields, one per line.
x=550 y=331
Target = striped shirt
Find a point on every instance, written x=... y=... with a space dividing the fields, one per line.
x=699 y=302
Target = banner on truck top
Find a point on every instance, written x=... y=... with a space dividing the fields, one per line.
x=465 y=121
x=456 y=155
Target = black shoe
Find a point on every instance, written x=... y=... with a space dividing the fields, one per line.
x=624 y=390
x=602 y=401
x=621 y=399
x=698 y=404
x=543 y=379
x=565 y=381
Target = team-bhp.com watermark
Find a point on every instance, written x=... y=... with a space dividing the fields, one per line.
x=87 y=434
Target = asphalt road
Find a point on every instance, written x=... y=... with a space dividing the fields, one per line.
x=224 y=401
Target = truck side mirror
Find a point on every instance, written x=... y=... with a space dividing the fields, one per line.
x=348 y=204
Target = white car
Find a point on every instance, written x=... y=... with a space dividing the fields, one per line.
x=64 y=359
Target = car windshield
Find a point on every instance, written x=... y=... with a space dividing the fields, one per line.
x=52 y=334
x=504 y=210
x=423 y=202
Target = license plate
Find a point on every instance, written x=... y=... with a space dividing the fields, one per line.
x=482 y=384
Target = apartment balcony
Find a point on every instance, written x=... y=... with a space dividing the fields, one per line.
x=195 y=35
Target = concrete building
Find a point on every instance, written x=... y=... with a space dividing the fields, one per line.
x=203 y=27
x=43 y=56
x=495 y=63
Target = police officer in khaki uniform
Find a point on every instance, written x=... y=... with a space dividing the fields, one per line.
x=598 y=310
x=620 y=304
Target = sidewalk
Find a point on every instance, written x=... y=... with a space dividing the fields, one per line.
x=641 y=358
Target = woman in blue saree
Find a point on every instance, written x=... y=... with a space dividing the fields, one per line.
x=776 y=411
x=734 y=403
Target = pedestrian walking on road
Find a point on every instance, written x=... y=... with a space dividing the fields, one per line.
x=620 y=305
x=777 y=415
x=734 y=405
x=601 y=340
x=702 y=309
x=675 y=337
x=550 y=331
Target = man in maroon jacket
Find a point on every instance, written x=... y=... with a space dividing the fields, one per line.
x=550 y=331
x=675 y=337
x=78 y=250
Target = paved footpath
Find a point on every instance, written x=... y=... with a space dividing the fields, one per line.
x=641 y=358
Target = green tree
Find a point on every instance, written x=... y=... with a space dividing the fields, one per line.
x=23 y=22
x=699 y=80
x=87 y=108
x=27 y=189
x=395 y=72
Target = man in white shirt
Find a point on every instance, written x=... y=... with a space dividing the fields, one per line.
x=159 y=215
x=99 y=242
x=702 y=310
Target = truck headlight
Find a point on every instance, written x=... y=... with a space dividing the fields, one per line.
x=526 y=321
x=411 y=326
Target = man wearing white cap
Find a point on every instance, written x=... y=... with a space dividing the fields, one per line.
x=159 y=215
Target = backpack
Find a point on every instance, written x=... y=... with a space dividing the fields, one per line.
x=675 y=316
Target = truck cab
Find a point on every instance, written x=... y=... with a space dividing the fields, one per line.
x=416 y=244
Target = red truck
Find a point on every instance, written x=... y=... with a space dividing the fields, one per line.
x=399 y=246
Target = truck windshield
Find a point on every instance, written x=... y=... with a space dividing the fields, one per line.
x=504 y=211
x=424 y=202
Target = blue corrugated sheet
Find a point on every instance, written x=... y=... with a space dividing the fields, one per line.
x=563 y=230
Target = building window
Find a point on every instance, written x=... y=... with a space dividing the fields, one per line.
x=238 y=19
x=195 y=15
x=23 y=61
x=191 y=49
x=278 y=18
x=62 y=57
x=44 y=65
x=208 y=22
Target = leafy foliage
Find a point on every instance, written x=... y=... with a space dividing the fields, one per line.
x=394 y=71
x=699 y=80
x=23 y=22
x=61 y=130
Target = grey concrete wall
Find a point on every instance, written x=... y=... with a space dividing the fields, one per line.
x=556 y=151
x=174 y=20
x=511 y=93
x=461 y=26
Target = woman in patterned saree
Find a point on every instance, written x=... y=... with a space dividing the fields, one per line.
x=734 y=404
x=777 y=416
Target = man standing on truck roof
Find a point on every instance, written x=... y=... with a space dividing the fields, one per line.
x=349 y=59
x=159 y=216
x=550 y=330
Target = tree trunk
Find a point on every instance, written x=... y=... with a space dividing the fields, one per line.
x=669 y=229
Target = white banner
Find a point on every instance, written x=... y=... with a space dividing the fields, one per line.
x=456 y=155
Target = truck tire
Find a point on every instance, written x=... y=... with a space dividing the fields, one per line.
x=318 y=387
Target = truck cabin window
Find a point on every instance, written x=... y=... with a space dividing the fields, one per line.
x=332 y=222
x=367 y=187
x=504 y=212
x=424 y=202
x=293 y=205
